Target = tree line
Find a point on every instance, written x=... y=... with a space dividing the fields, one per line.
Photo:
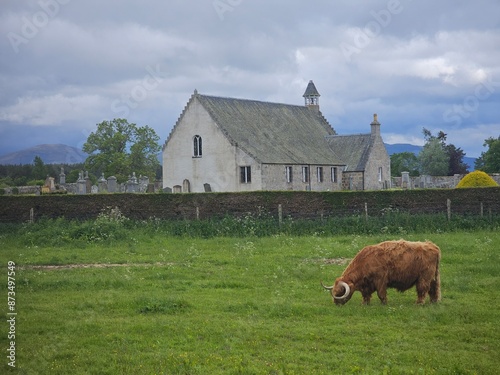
x=439 y=158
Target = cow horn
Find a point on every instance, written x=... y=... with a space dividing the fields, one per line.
x=326 y=287
x=347 y=290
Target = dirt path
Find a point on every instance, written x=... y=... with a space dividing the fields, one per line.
x=91 y=265
x=49 y=267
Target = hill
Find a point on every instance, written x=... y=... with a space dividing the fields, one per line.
x=402 y=147
x=406 y=147
x=49 y=153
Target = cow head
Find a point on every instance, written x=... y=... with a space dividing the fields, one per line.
x=341 y=291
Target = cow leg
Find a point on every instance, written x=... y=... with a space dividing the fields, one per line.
x=435 y=291
x=382 y=295
x=422 y=289
x=366 y=298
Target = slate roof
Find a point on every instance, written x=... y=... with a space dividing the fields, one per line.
x=354 y=150
x=273 y=133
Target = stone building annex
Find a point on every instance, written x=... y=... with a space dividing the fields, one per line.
x=231 y=145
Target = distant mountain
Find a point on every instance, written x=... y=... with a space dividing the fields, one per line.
x=49 y=153
x=397 y=148
x=406 y=147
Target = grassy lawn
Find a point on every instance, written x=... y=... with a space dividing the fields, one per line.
x=170 y=305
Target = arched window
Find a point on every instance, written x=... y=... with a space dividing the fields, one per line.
x=197 y=146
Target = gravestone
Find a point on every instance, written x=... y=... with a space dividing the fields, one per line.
x=62 y=177
x=81 y=184
x=102 y=184
x=143 y=183
x=132 y=184
x=405 y=180
x=88 y=183
x=112 y=184
x=49 y=185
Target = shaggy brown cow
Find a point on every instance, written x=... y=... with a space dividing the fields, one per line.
x=391 y=264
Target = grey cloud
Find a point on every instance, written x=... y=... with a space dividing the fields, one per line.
x=414 y=62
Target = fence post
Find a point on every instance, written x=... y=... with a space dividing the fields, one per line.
x=197 y=213
x=448 y=208
x=366 y=211
x=32 y=215
x=280 y=214
x=481 y=209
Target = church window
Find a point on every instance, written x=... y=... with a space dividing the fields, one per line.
x=319 y=172
x=197 y=145
x=305 y=174
x=288 y=174
x=334 y=174
x=245 y=175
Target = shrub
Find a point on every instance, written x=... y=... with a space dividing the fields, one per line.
x=476 y=179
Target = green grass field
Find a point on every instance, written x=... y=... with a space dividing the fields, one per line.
x=151 y=304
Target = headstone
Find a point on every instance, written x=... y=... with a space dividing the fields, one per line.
x=112 y=184
x=88 y=183
x=186 y=186
x=49 y=184
x=62 y=177
x=207 y=187
x=102 y=184
x=132 y=184
x=94 y=189
x=143 y=184
x=405 y=180
x=81 y=184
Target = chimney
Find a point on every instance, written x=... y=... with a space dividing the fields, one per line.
x=375 y=125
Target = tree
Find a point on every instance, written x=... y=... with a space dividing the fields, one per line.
x=433 y=159
x=118 y=148
x=456 y=157
x=39 y=169
x=404 y=162
x=489 y=161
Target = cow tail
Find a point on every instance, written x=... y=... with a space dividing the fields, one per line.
x=437 y=279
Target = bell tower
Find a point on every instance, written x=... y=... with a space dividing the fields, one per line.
x=311 y=96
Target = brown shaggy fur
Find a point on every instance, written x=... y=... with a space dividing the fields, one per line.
x=393 y=264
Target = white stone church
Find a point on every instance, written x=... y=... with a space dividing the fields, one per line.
x=232 y=145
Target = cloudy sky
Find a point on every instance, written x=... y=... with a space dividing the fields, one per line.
x=66 y=65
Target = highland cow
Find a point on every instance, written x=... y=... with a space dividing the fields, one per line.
x=391 y=264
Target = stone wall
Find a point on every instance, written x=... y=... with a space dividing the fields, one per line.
x=431 y=182
x=352 y=181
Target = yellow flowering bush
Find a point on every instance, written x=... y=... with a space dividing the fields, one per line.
x=476 y=179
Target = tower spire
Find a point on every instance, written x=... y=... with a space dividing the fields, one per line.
x=311 y=96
